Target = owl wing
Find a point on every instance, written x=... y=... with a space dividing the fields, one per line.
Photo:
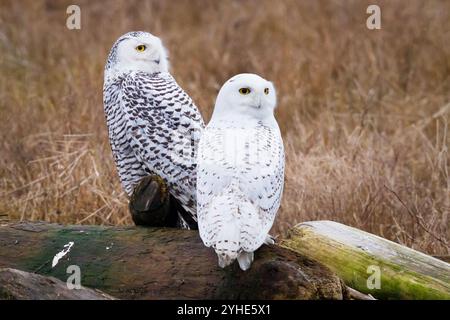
x=163 y=128
x=215 y=173
x=262 y=181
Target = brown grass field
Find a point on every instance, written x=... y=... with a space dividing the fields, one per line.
x=364 y=113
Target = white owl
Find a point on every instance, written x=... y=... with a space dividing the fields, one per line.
x=240 y=170
x=154 y=126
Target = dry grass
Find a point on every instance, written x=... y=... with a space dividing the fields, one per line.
x=364 y=113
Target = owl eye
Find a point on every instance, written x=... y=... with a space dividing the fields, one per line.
x=141 y=48
x=266 y=91
x=244 y=91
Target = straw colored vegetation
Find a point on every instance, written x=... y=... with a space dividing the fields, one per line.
x=364 y=113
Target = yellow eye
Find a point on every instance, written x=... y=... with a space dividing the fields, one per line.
x=266 y=91
x=141 y=48
x=244 y=91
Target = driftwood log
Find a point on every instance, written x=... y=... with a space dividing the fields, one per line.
x=160 y=263
x=358 y=257
x=21 y=285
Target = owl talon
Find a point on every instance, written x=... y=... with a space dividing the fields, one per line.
x=269 y=240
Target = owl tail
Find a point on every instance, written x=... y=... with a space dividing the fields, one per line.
x=227 y=245
x=245 y=260
x=225 y=260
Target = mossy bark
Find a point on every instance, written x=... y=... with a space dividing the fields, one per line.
x=161 y=263
x=355 y=255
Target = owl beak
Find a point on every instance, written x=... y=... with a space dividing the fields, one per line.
x=258 y=104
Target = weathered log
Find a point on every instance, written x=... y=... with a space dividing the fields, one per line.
x=355 y=256
x=161 y=263
x=21 y=285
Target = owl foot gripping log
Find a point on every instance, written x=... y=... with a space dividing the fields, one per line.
x=240 y=170
x=154 y=126
x=151 y=204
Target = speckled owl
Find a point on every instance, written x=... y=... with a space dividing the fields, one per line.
x=154 y=126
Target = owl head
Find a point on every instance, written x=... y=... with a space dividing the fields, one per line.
x=137 y=51
x=246 y=93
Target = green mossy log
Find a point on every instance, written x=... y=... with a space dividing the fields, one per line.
x=161 y=263
x=350 y=253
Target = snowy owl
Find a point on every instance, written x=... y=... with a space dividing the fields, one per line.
x=153 y=125
x=240 y=170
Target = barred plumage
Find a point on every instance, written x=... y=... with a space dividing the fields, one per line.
x=154 y=126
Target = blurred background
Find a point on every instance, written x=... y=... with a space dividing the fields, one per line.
x=364 y=113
